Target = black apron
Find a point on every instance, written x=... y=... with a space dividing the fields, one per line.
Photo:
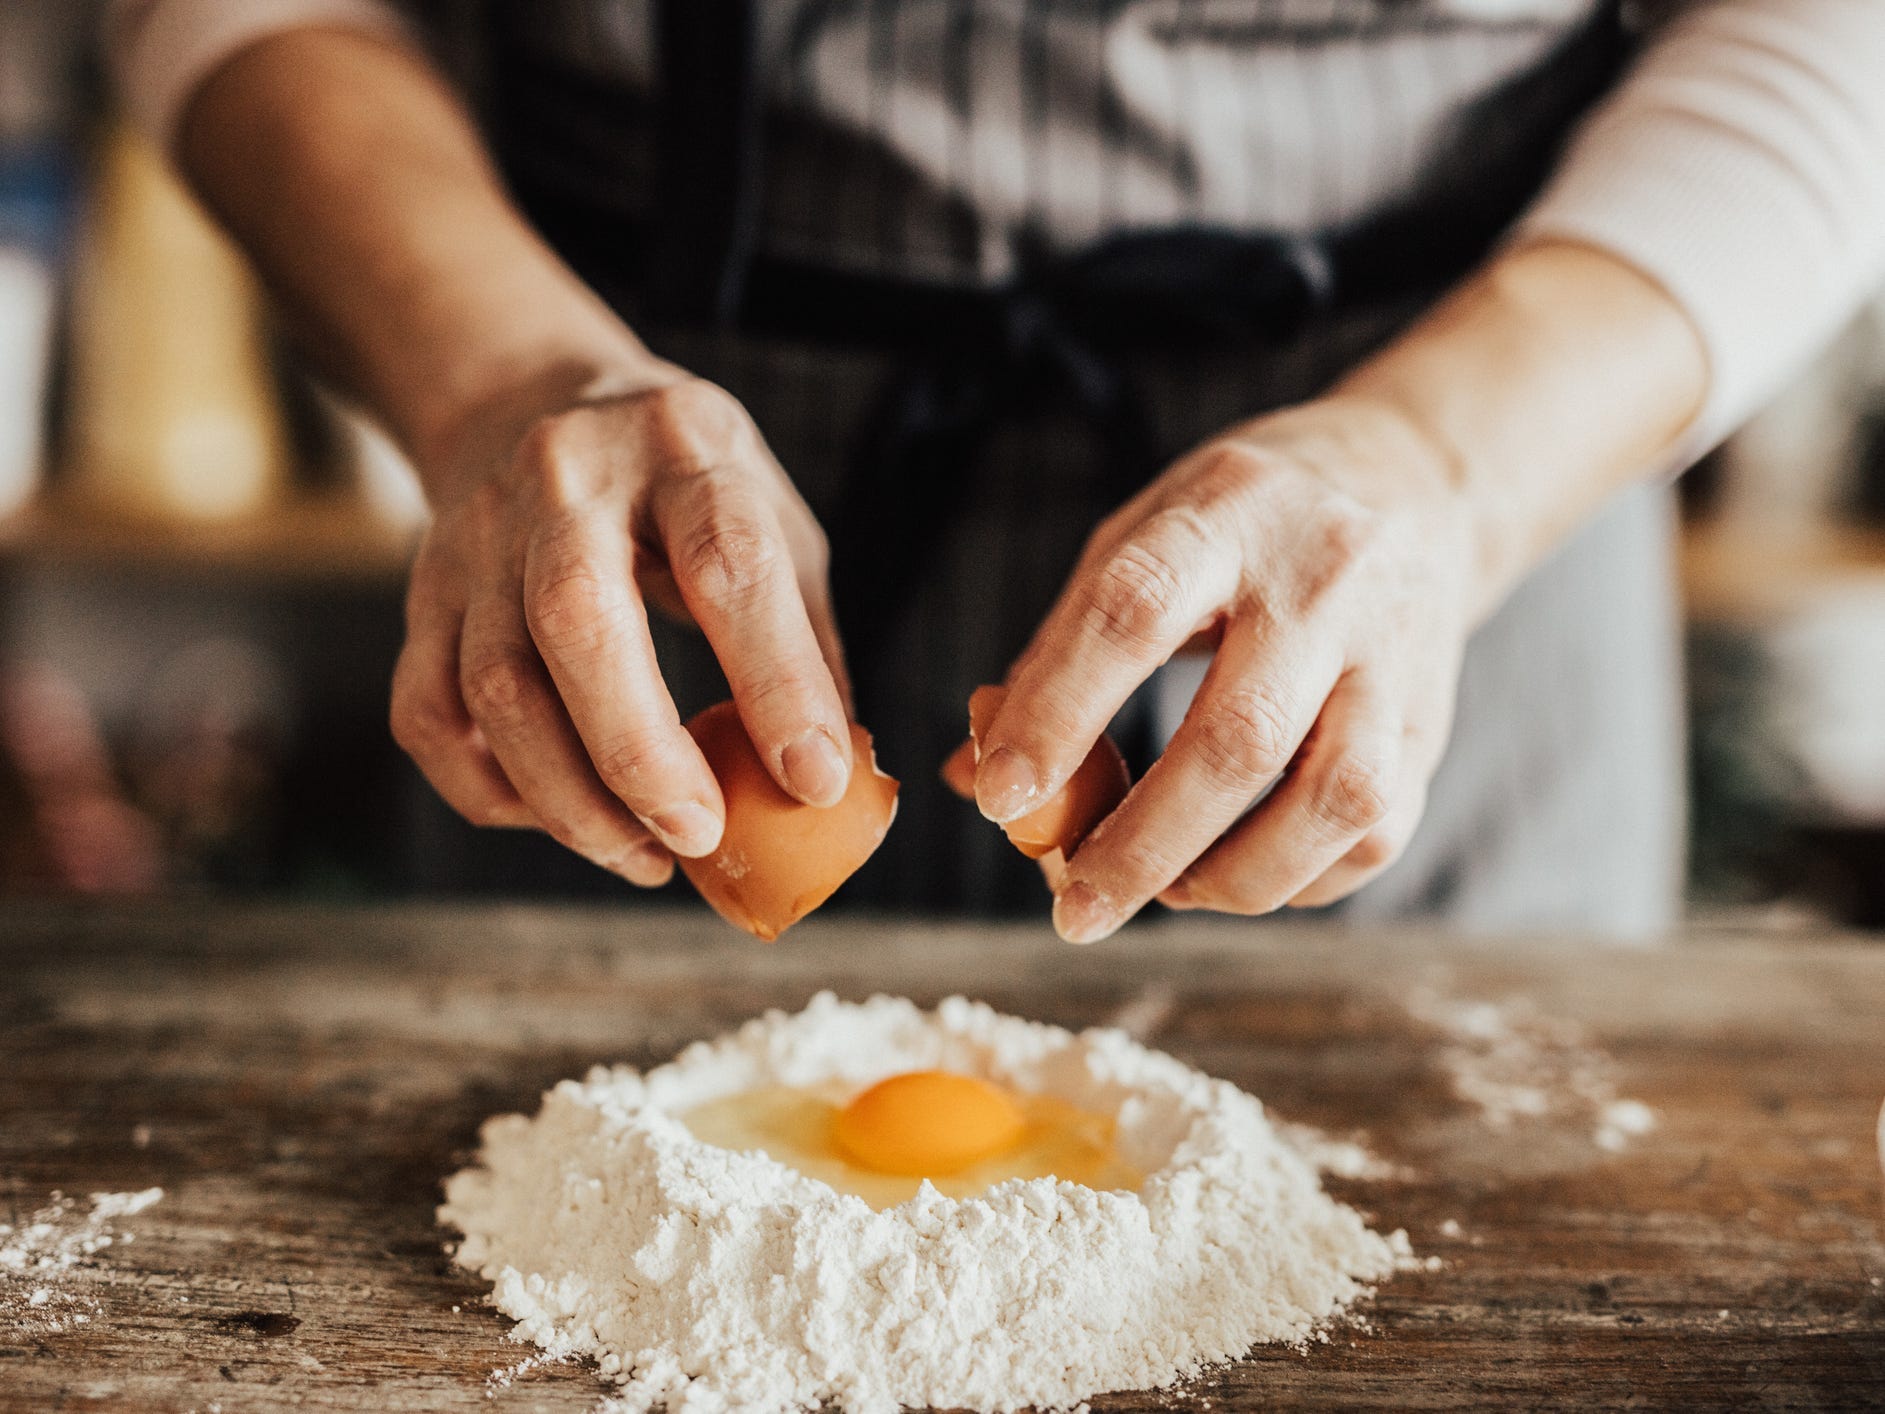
x=917 y=417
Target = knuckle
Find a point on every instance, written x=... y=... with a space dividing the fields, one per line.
x=559 y=829
x=1343 y=539
x=1389 y=840
x=631 y=763
x=693 y=402
x=556 y=457
x=731 y=561
x=691 y=425
x=1227 y=472
x=497 y=685
x=573 y=829
x=571 y=614
x=1355 y=793
x=1136 y=600
x=429 y=583
x=780 y=690
x=1130 y=865
x=487 y=508
x=1346 y=535
x=1243 y=903
x=1375 y=850
x=415 y=722
x=488 y=813
x=1246 y=739
x=1225 y=890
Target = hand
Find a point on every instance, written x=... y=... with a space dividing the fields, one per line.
x=1331 y=555
x=528 y=691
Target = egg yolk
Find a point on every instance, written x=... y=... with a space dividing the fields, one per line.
x=927 y=1122
x=798 y=1126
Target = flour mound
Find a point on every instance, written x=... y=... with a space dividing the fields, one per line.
x=714 y=1281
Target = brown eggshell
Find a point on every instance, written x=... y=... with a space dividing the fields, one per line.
x=1090 y=795
x=779 y=858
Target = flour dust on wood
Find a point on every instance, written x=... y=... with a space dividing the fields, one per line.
x=49 y=1258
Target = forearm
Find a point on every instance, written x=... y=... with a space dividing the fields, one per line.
x=357 y=183
x=1741 y=168
x=1549 y=380
x=1741 y=165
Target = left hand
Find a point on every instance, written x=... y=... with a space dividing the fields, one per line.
x=1332 y=553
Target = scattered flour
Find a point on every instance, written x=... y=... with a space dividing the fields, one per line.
x=1620 y=1121
x=502 y=1379
x=1513 y=1063
x=717 y=1281
x=1351 y=1158
x=38 y=1255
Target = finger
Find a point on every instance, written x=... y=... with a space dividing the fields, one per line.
x=1423 y=742
x=1120 y=617
x=1371 y=855
x=1340 y=793
x=1259 y=699
x=817 y=592
x=737 y=575
x=958 y=770
x=430 y=723
x=589 y=625
x=510 y=696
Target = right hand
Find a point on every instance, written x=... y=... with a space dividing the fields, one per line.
x=528 y=691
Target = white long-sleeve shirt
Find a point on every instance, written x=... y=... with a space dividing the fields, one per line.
x=1740 y=164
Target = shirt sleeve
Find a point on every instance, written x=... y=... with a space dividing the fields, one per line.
x=1741 y=165
x=159 y=51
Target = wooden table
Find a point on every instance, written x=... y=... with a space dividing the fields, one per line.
x=299 y=1082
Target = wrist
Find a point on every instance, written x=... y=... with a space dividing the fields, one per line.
x=1552 y=378
x=1404 y=461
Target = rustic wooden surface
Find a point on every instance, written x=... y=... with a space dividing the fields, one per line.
x=305 y=1079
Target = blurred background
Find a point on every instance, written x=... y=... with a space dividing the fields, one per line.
x=202 y=560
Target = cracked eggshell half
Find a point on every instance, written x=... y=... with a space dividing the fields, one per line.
x=780 y=858
x=1091 y=794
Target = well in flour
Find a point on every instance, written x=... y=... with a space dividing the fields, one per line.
x=715 y=1280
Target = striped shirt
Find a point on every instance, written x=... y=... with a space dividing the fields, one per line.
x=934 y=136
x=1064 y=120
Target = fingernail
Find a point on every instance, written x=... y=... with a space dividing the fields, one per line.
x=648 y=865
x=1083 y=915
x=814 y=768
x=1006 y=785
x=690 y=829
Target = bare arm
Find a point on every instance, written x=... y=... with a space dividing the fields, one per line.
x=353 y=178
x=573 y=474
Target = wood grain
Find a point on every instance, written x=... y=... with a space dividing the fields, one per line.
x=307 y=1078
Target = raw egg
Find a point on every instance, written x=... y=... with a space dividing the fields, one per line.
x=1090 y=795
x=960 y=1133
x=780 y=858
x=927 y=1122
